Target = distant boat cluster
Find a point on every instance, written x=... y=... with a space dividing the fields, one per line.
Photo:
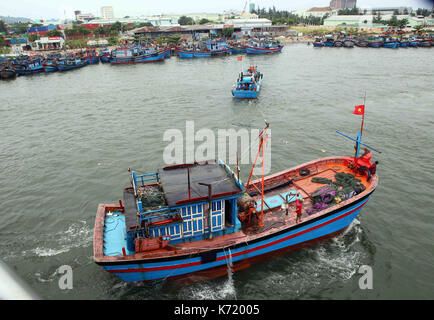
x=373 y=42
x=130 y=54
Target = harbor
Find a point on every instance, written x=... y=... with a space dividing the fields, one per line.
x=79 y=132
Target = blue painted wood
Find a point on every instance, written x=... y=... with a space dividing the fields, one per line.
x=328 y=225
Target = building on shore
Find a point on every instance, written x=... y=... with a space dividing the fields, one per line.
x=343 y=4
x=107 y=13
x=366 y=21
x=316 y=12
x=49 y=43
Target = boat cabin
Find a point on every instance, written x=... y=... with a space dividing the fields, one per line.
x=182 y=203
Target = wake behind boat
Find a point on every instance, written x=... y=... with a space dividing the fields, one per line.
x=186 y=221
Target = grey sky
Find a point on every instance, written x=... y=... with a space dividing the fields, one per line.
x=46 y=9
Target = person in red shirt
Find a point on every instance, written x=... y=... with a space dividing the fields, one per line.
x=298 y=207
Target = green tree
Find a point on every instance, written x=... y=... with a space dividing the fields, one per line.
x=117 y=26
x=33 y=37
x=184 y=20
x=3 y=27
x=173 y=39
x=228 y=31
x=2 y=42
x=203 y=21
x=113 y=41
x=54 y=33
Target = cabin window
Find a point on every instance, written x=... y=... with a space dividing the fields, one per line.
x=217 y=216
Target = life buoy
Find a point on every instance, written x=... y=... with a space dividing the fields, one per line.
x=304 y=172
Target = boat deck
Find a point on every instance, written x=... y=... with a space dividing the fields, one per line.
x=275 y=219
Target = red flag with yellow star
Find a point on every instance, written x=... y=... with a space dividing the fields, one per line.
x=359 y=110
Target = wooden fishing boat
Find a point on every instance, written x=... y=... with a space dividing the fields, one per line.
x=238 y=48
x=50 y=66
x=329 y=42
x=131 y=55
x=30 y=66
x=391 y=43
x=349 y=43
x=91 y=57
x=187 y=221
x=70 y=64
x=318 y=43
x=7 y=72
x=104 y=56
x=248 y=84
x=338 y=43
x=207 y=49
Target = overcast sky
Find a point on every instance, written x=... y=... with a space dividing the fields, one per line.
x=46 y=9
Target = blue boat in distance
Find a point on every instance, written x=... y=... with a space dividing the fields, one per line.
x=318 y=43
x=263 y=46
x=71 y=63
x=91 y=56
x=207 y=49
x=30 y=66
x=129 y=55
x=248 y=84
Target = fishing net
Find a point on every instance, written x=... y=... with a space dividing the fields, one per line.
x=335 y=191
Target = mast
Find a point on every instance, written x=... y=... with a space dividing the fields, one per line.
x=263 y=139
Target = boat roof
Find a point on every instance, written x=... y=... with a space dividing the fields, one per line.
x=174 y=181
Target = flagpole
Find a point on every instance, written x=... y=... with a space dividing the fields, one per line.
x=363 y=115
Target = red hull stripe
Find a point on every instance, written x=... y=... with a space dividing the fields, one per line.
x=191 y=264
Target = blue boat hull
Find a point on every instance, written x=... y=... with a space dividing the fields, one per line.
x=285 y=240
x=63 y=67
x=391 y=45
x=261 y=50
x=140 y=59
x=318 y=44
x=92 y=60
x=25 y=72
x=329 y=44
x=50 y=68
x=105 y=58
x=185 y=54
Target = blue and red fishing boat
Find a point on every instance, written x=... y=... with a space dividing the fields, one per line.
x=207 y=49
x=130 y=55
x=318 y=43
x=30 y=66
x=50 y=66
x=263 y=46
x=91 y=56
x=238 y=47
x=248 y=84
x=188 y=221
x=71 y=63
x=104 y=56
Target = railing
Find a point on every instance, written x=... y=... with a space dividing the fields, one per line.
x=143 y=178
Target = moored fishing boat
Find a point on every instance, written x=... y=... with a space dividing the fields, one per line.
x=318 y=43
x=7 y=72
x=349 y=43
x=338 y=43
x=264 y=46
x=329 y=41
x=50 y=66
x=248 y=84
x=130 y=55
x=391 y=43
x=30 y=66
x=162 y=230
x=375 y=42
x=238 y=48
x=70 y=63
x=206 y=49
x=91 y=56
x=104 y=56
